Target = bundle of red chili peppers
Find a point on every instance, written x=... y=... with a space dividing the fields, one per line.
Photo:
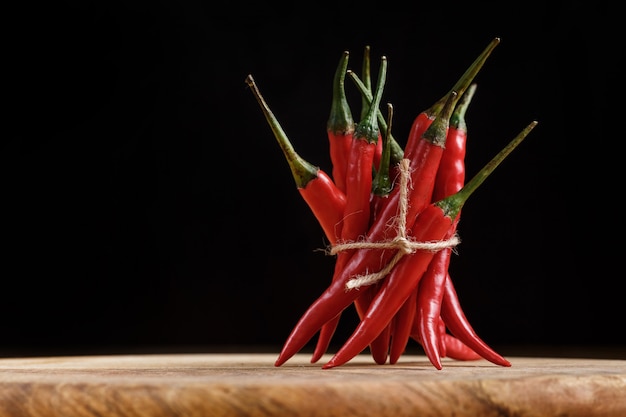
x=390 y=215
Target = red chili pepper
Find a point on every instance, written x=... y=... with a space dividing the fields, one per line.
x=335 y=299
x=450 y=346
x=358 y=183
x=450 y=179
x=460 y=327
x=315 y=186
x=428 y=305
x=425 y=118
x=340 y=126
x=432 y=224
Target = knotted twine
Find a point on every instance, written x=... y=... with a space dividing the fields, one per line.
x=401 y=242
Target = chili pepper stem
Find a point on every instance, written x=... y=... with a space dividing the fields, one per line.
x=397 y=153
x=423 y=119
x=367 y=80
x=382 y=183
x=466 y=79
x=457 y=120
x=340 y=119
x=303 y=171
x=468 y=76
x=470 y=73
x=368 y=128
x=451 y=205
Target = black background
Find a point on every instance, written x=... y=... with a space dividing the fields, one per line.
x=147 y=206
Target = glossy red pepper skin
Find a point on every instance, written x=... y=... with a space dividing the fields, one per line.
x=379 y=346
x=326 y=203
x=421 y=123
x=428 y=306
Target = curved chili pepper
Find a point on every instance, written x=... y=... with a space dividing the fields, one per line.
x=425 y=118
x=449 y=345
x=358 y=183
x=340 y=125
x=432 y=224
x=335 y=299
x=450 y=179
x=428 y=305
x=460 y=327
x=317 y=189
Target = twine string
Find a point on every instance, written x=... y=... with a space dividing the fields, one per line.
x=401 y=242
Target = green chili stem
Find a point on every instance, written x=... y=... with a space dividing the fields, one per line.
x=397 y=153
x=452 y=205
x=368 y=128
x=340 y=120
x=302 y=170
x=367 y=80
x=437 y=132
x=457 y=120
x=468 y=76
x=381 y=184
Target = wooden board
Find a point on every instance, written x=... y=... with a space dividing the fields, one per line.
x=224 y=385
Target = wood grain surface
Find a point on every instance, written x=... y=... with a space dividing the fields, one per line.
x=221 y=385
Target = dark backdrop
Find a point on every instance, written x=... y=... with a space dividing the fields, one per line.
x=147 y=205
